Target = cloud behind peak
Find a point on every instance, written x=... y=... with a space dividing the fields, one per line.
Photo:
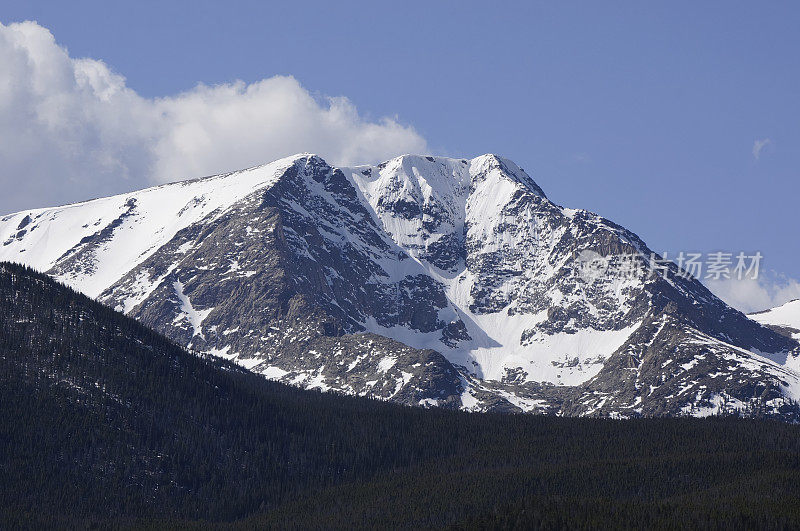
x=70 y=128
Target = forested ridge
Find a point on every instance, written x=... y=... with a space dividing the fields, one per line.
x=103 y=421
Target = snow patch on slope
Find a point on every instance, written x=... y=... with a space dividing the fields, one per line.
x=787 y=315
x=188 y=313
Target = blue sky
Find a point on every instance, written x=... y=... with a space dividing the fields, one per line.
x=646 y=113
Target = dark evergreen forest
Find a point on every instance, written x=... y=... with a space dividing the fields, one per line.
x=105 y=423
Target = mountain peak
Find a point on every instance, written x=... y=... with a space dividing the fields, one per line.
x=508 y=169
x=424 y=279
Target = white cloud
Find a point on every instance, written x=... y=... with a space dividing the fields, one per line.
x=748 y=295
x=759 y=145
x=71 y=129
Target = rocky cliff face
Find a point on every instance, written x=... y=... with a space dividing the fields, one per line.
x=430 y=281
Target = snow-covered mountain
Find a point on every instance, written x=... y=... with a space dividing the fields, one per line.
x=784 y=319
x=424 y=280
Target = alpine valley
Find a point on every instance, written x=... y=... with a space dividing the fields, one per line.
x=423 y=280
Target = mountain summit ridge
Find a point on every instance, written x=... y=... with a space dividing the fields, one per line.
x=425 y=280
